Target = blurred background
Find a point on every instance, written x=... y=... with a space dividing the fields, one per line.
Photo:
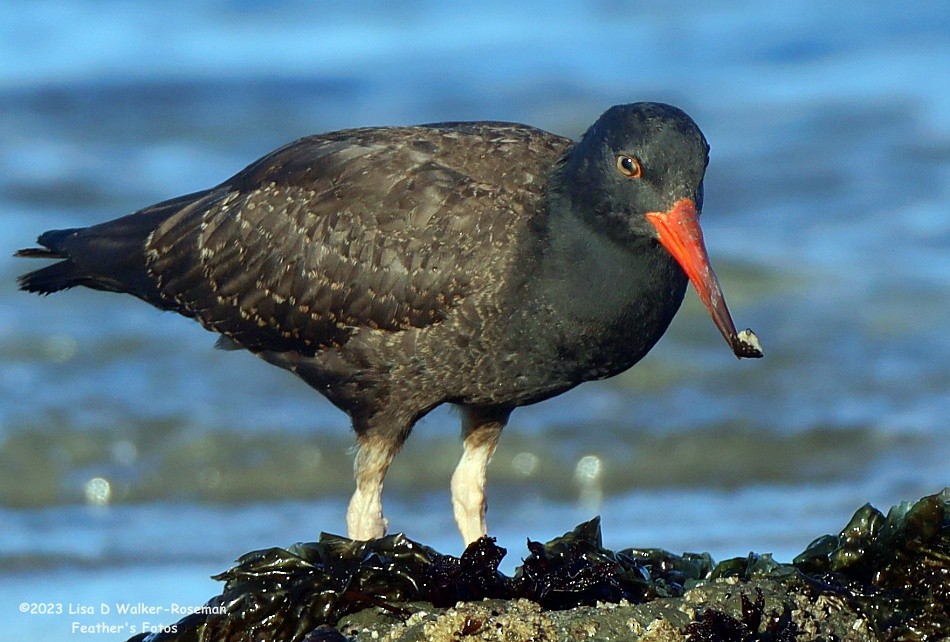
x=136 y=461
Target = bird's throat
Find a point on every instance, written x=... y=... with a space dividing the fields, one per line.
x=603 y=298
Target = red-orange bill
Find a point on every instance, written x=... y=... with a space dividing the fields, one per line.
x=679 y=232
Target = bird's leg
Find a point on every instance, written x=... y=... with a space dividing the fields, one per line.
x=480 y=432
x=364 y=517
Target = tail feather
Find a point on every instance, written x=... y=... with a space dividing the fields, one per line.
x=37 y=253
x=59 y=276
x=109 y=256
x=53 y=278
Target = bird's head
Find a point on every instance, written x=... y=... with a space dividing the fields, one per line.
x=637 y=175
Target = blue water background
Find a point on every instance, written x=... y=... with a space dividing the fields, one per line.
x=826 y=216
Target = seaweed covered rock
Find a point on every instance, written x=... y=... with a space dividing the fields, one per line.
x=894 y=568
x=576 y=570
x=881 y=578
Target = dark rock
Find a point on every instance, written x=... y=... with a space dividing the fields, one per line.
x=881 y=578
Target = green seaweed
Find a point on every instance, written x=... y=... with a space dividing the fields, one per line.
x=893 y=570
x=896 y=569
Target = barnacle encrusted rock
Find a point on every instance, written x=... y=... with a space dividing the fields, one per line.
x=881 y=578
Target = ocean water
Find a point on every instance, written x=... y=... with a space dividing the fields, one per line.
x=136 y=461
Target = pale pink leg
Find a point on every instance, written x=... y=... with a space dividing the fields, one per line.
x=364 y=517
x=480 y=431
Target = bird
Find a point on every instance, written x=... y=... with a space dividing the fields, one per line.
x=484 y=264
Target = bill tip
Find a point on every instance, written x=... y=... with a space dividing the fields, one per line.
x=747 y=345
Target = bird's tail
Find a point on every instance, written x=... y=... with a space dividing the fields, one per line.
x=109 y=256
x=60 y=275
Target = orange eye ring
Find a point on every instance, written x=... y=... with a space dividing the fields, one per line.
x=629 y=166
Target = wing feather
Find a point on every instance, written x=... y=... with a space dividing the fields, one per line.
x=386 y=229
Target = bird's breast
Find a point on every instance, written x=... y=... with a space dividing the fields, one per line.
x=598 y=307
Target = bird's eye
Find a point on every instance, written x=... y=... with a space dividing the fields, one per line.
x=629 y=166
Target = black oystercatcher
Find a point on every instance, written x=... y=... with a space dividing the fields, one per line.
x=485 y=264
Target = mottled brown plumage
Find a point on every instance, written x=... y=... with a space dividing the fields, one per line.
x=394 y=269
x=368 y=228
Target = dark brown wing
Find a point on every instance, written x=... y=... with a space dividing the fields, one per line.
x=371 y=228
